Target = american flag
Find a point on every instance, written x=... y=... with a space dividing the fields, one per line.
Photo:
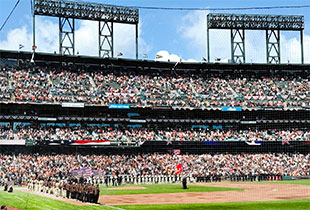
x=87 y=172
x=77 y=173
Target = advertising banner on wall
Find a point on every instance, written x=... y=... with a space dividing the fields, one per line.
x=12 y=142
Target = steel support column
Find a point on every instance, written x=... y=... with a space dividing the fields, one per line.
x=273 y=46
x=302 y=46
x=106 y=42
x=208 y=40
x=66 y=36
x=33 y=29
x=237 y=45
x=137 y=46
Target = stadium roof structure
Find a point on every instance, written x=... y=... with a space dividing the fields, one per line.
x=120 y=63
x=256 y=22
x=69 y=11
x=238 y=23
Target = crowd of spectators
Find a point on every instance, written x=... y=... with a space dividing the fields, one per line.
x=23 y=167
x=153 y=89
x=73 y=87
x=117 y=89
x=6 y=132
x=5 y=93
x=139 y=135
x=31 y=86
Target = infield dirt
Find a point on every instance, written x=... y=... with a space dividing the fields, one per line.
x=251 y=192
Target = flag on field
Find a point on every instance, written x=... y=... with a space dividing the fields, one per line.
x=77 y=173
x=87 y=172
x=21 y=46
x=179 y=168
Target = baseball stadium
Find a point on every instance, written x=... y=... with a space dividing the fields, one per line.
x=111 y=131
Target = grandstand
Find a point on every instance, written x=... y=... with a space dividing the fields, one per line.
x=114 y=121
x=70 y=122
x=129 y=103
x=143 y=88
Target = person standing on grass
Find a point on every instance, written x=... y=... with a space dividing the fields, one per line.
x=97 y=193
x=3 y=207
x=184 y=182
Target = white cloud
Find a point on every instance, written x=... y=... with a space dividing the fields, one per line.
x=86 y=38
x=191 y=60
x=164 y=55
x=125 y=40
x=46 y=37
x=14 y=38
x=192 y=29
x=290 y=48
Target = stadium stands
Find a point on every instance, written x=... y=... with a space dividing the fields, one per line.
x=32 y=99
x=139 y=135
x=152 y=89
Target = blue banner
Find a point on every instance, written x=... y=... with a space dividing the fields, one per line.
x=232 y=109
x=133 y=114
x=119 y=106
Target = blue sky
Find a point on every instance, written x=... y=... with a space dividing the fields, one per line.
x=181 y=33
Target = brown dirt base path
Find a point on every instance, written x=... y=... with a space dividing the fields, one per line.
x=251 y=192
x=12 y=208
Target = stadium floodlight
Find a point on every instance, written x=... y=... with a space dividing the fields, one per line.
x=69 y=11
x=86 y=11
x=272 y=24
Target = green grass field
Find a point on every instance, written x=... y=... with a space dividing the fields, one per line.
x=19 y=199
x=163 y=188
x=298 y=182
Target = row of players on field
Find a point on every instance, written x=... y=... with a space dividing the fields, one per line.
x=82 y=191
